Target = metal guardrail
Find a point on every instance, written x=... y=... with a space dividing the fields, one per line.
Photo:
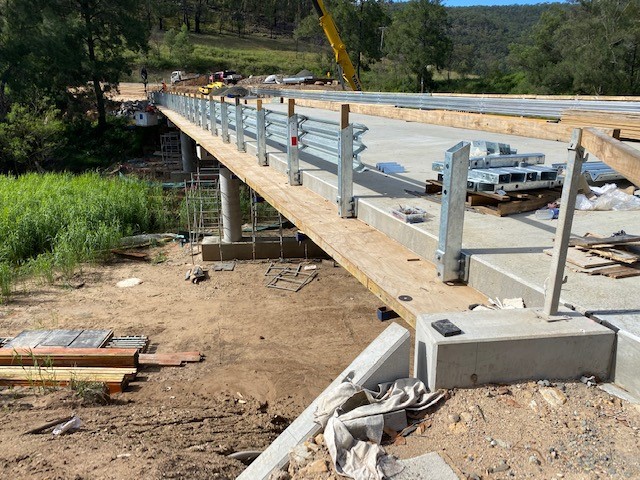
x=522 y=107
x=318 y=138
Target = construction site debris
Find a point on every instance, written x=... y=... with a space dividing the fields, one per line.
x=608 y=197
x=354 y=420
x=617 y=256
x=197 y=274
x=69 y=426
x=390 y=167
x=409 y=214
x=128 y=282
x=224 y=266
x=148 y=239
x=49 y=425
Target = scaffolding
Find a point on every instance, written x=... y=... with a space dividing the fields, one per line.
x=264 y=220
x=170 y=150
x=203 y=207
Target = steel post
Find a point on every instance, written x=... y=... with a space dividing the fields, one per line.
x=454 y=188
x=213 y=127
x=293 y=162
x=565 y=220
x=224 y=116
x=345 y=166
x=239 y=127
x=261 y=134
x=203 y=113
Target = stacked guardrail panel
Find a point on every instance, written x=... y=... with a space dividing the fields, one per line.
x=495 y=166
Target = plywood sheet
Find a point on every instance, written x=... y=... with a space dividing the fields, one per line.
x=92 y=339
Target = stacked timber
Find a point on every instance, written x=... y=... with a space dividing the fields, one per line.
x=58 y=358
x=60 y=366
x=614 y=257
x=116 y=379
x=628 y=123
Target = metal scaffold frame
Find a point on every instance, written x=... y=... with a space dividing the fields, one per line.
x=203 y=204
x=265 y=215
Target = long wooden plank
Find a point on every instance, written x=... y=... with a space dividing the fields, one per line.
x=527 y=127
x=619 y=156
x=169 y=359
x=69 y=357
x=583 y=259
x=376 y=260
x=593 y=241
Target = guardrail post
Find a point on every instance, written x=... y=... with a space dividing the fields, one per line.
x=203 y=113
x=261 y=134
x=293 y=163
x=345 y=166
x=454 y=189
x=224 y=115
x=239 y=127
x=212 y=117
x=565 y=220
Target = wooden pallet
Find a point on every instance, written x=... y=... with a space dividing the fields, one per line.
x=500 y=205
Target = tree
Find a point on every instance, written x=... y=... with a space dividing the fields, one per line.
x=182 y=46
x=592 y=47
x=418 y=37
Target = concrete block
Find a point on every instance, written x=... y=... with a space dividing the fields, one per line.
x=385 y=360
x=626 y=366
x=264 y=248
x=510 y=345
x=429 y=466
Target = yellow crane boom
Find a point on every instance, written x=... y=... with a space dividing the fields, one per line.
x=339 y=48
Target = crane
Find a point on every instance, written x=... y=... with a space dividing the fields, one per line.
x=339 y=49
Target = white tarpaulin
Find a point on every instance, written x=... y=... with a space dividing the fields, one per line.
x=353 y=417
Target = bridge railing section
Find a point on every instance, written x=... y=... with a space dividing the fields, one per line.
x=339 y=143
x=525 y=107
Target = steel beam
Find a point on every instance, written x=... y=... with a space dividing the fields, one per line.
x=224 y=119
x=239 y=127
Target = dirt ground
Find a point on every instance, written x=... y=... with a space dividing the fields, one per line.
x=273 y=349
x=268 y=354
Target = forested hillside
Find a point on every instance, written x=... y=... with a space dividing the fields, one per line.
x=58 y=61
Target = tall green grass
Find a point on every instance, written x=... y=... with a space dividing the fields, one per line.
x=51 y=223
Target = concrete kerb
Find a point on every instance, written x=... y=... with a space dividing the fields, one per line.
x=385 y=359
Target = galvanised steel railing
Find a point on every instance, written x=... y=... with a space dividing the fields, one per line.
x=338 y=143
x=524 y=107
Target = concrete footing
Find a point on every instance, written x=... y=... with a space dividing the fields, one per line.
x=385 y=359
x=505 y=346
x=213 y=251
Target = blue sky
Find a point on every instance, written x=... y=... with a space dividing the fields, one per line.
x=466 y=3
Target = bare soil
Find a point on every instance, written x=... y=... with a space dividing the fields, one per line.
x=268 y=354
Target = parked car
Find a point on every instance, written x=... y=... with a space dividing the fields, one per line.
x=226 y=76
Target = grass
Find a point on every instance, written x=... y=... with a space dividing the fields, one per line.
x=51 y=223
x=249 y=55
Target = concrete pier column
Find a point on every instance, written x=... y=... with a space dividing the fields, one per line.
x=231 y=217
x=188 y=150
